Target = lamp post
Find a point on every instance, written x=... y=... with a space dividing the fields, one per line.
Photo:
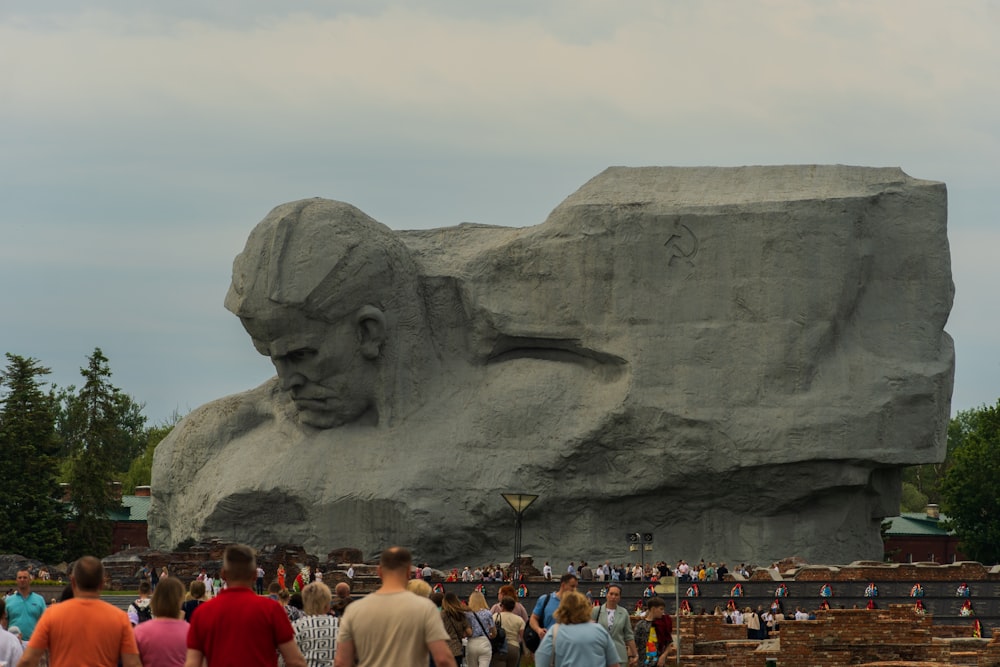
x=518 y=502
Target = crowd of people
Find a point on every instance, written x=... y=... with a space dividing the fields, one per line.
x=169 y=625
x=607 y=572
x=229 y=619
x=565 y=628
x=404 y=622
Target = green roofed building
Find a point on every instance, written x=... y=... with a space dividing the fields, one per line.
x=130 y=521
x=915 y=537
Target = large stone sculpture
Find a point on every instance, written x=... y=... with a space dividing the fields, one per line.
x=738 y=360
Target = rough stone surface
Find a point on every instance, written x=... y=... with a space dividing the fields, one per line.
x=738 y=360
x=11 y=563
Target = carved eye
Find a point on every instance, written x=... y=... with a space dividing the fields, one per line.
x=302 y=354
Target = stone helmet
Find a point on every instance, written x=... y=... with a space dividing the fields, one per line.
x=324 y=257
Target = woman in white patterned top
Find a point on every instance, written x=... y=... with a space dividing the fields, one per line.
x=316 y=632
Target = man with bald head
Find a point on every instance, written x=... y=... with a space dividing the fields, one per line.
x=84 y=630
x=341 y=598
x=412 y=621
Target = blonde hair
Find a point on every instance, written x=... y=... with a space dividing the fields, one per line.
x=316 y=598
x=477 y=602
x=196 y=590
x=419 y=586
x=573 y=608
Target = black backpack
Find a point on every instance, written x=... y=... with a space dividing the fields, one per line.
x=531 y=638
x=144 y=613
x=499 y=643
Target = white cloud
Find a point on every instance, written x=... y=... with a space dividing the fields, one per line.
x=763 y=65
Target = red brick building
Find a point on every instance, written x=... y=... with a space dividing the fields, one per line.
x=129 y=521
x=915 y=537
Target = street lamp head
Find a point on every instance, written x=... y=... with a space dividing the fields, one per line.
x=519 y=501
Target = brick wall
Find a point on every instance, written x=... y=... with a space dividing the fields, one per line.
x=838 y=637
x=128 y=535
x=961 y=571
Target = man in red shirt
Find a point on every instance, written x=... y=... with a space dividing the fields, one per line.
x=239 y=627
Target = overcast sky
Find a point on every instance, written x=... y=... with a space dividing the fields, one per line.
x=141 y=141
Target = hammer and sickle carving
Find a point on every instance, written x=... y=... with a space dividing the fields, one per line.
x=681 y=244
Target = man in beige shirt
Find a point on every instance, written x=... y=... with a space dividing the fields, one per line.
x=392 y=626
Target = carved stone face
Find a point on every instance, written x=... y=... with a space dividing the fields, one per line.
x=323 y=366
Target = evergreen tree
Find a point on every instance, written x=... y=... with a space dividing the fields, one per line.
x=971 y=497
x=31 y=514
x=102 y=430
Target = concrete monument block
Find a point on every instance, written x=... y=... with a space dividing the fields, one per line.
x=739 y=360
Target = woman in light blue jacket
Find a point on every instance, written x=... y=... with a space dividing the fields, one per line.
x=574 y=641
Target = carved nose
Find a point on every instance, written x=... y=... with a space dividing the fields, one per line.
x=288 y=377
x=291 y=380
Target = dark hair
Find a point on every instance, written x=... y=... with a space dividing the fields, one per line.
x=295 y=600
x=508 y=603
x=145 y=588
x=655 y=602
x=437 y=597
x=88 y=574
x=610 y=586
x=568 y=576
x=394 y=559
x=452 y=606
x=167 y=598
x=239 y=562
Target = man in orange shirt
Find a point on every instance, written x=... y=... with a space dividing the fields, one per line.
x=84 y=630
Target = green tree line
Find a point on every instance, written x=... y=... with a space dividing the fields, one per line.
x=84 y=437
x=965 y=484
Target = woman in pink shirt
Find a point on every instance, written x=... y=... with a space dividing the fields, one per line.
x=163 y=640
